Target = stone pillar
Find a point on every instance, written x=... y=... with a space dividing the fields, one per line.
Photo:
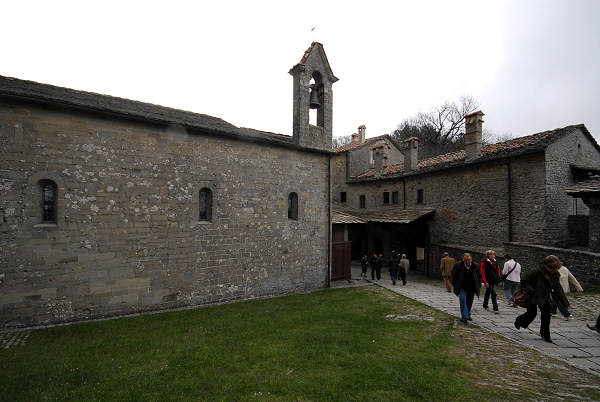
x=594 y=222
x=473 y=134
x=411 y=147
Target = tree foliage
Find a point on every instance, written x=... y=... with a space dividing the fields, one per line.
x=440 y=130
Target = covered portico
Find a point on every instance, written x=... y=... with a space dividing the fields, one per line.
x=381 y=231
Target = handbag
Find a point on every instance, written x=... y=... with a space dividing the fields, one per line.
x=504 y=276
x=519 y=298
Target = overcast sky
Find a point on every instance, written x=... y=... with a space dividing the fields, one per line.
x=532 y=65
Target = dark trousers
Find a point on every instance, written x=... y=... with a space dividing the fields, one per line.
x=375 y=271
x=364 y=270
x=403 y=276
x=556 y=303
x=526 y=318
x=393 y=276
x=490 y=290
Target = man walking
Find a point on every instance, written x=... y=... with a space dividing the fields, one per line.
x=446 y=266
x=490 y=272
x=393 y=267
x=404 y=268
x=466 y=282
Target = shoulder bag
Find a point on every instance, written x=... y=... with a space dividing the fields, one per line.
x=520 y=298
x=504 y=276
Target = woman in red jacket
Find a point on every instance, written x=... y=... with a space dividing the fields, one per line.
x=490 y=273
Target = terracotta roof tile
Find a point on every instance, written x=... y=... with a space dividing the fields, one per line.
x=522 y=143
x=304 y=58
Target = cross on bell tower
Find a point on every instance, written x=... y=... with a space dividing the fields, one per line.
x=316 y=95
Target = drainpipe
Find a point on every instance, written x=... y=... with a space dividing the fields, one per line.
x=509 y=184
x=404 y=193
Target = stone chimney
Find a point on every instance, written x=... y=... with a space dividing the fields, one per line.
x=354 y=137
x=473 y=131
x=411 y=147
x=361 y=133
x=379 y=158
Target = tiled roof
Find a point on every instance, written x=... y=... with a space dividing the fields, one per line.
x=355 y=144
x=389 y=215
x=585 y=187
x=341 y=217
x=308 y=51
x=36 y=92
x=529 y=142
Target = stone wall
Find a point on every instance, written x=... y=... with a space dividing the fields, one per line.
x=456 y=251
x=471 y=202
x=572 y=149
x=128 y=238
x=584 y=265
x=359 y=158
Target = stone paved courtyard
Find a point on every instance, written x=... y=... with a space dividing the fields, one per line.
x=573 y=342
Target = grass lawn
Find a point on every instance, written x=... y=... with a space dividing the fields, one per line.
x=335 y=344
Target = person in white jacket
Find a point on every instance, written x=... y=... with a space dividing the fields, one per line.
x=511 y=284
x=565 y=278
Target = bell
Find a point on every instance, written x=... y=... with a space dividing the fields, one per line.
x=314 y=97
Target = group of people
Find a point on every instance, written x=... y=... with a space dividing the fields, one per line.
x=398 y=266
x=545 y=287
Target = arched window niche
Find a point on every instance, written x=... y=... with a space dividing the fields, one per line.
x=205 y=197
x=293 y=206
x=44 y=200
x=49 y=197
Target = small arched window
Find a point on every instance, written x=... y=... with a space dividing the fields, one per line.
x=49 y=197
x=205 y=205
x=293 y=206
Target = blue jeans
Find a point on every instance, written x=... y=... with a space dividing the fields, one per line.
x=490 y=290
x=393 y=277
x=466 y=302
x=510 y=287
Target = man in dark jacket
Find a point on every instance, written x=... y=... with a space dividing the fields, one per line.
x=539 y=285
x=466 y=283
x=490 y=272
x=379 y=265
x=393 y=267
x=373 y=264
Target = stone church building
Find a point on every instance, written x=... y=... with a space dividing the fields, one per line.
x=110 y=206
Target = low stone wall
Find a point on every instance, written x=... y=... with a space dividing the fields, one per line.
x=456 y=251
x=584 y=265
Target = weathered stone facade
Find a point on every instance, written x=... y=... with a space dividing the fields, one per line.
x=127 y=236
x=574 y=150
x=513 y=192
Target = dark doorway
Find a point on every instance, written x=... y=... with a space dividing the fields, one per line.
x=357 y=234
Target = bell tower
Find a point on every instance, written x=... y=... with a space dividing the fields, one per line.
x=313 y=80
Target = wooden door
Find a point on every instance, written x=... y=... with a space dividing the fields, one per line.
x=341 y=259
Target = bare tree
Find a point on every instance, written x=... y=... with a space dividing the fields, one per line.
x=341 y=140
x=440 y=130
x=448 y=120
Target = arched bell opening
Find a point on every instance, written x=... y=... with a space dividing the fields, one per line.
x=316 y=100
